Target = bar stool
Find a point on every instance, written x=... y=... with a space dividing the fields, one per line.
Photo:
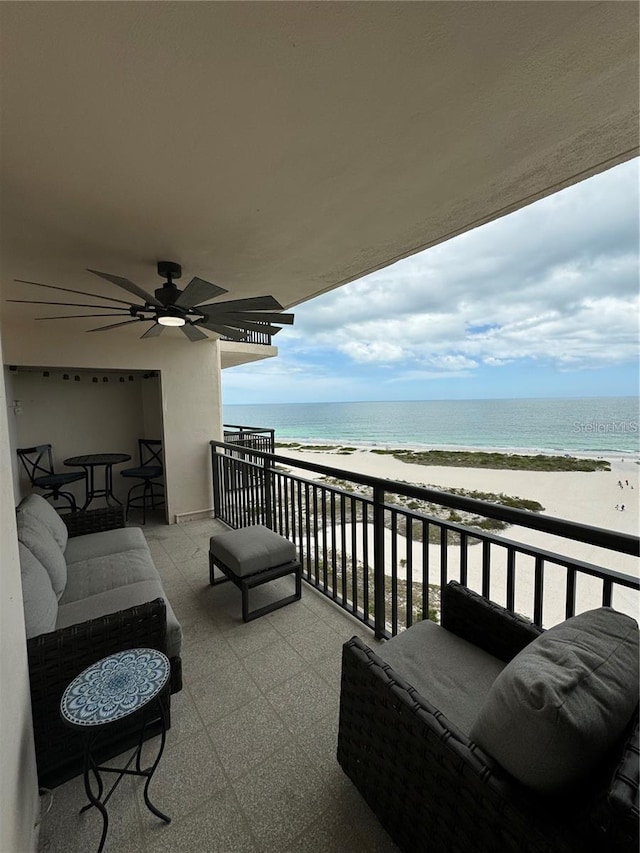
x=38 y=463
x=150 y=468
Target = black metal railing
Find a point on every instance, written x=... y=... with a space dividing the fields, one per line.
x=251 y=337
x=253 y=438
x=385 y=561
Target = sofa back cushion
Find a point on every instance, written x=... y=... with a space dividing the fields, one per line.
x=39 y=508
x=563 y=702
x=39 y=600
x=39 y=540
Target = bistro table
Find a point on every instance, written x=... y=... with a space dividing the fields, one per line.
x=90 y=462
x=125 y=683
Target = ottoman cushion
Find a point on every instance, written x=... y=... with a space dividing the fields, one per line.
x=251 y=549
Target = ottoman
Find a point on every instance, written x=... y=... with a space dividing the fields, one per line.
x=252 y=556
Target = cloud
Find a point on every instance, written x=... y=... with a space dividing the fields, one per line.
x=508 y=308
x=556 y=282
x=372 y=350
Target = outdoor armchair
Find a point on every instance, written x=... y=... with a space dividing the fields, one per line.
x=431 y=786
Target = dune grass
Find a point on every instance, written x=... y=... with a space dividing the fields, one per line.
x=507 y=461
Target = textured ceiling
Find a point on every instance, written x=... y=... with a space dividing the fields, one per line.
x=287 y=148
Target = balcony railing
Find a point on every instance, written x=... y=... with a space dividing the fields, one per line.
x=386 y=563
x=254 y=438
x=251 y=337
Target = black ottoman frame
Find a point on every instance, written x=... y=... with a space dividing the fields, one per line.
x=247 y=582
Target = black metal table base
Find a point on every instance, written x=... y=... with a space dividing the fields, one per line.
x=90 y=767
x=92 y=492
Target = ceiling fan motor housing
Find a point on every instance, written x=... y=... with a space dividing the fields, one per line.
x=168 y=294
x=168 y=269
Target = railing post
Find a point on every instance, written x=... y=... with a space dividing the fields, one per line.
x=268 y=484
x=378 y=562
x=215 y=474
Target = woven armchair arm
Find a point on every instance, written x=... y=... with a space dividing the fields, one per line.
x=484 y=623
x=94 y=520
x=624 y=795
x=55 y=659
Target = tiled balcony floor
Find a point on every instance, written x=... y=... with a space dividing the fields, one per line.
x=250 y=762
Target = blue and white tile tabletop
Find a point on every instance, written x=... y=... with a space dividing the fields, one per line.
x=114 y=687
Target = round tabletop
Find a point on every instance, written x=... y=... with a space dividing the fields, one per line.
x=98 y=459
x=114 y=687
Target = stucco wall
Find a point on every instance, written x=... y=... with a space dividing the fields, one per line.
x=80 y=417
x=190 y=393
x=18 y=782
x=12 y=426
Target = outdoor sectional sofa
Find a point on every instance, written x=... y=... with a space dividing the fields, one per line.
x=90 y=588
x=559 y=709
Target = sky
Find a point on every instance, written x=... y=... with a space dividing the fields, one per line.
x=541 y=303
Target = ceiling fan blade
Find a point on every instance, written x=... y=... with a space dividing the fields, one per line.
x=265 y=328
x=127 y=285
x=198 y=290
x=258 y=316
x=255 y=303
x=193 y=333
x=112 y=326
x=68 y=304
x=81 y=316
x=227 y=331
x=69 y=290
x=154 y=331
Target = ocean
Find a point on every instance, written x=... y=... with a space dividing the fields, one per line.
x=587 y=424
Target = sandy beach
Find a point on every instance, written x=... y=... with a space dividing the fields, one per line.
x=586 y=497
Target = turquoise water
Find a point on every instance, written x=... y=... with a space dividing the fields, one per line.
x=588 y=424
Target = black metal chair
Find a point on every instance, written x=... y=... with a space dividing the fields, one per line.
x=38 y=463
x=150 y=468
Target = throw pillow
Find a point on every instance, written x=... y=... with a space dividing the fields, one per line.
x=38 y=539
x=559 y=706
x=41 y=509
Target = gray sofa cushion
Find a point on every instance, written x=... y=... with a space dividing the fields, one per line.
x=39 y=508
x=121 y=598
x=251 y=549
x=38 y=539
x=106 y=542
x=446 y=670
x=39 y=600
x=563 y=701
x=100 y=574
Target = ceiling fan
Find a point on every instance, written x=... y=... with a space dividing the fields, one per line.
x=188 y=309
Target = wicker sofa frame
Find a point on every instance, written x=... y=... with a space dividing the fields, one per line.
x=56 y=658
x=434 y=789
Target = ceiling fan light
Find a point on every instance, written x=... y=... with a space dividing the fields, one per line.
x=168 y=320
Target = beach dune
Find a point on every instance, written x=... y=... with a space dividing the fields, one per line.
x=585 y=497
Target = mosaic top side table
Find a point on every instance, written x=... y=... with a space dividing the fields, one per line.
x=115 y=687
